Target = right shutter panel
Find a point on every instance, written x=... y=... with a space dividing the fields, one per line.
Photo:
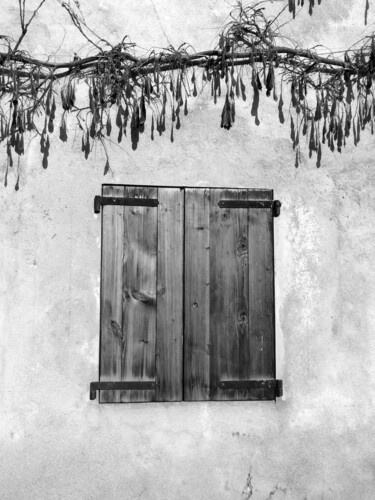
x=229 y=297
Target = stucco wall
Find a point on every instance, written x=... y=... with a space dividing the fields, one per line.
x=315 y=443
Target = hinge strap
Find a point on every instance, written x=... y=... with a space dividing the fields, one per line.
x=274 y=204
x=121 y=386
x=133 y=202
x=277 y=385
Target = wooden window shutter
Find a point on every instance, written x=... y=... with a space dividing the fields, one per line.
x=141 y=329
x=229 y=296
x=187 y=294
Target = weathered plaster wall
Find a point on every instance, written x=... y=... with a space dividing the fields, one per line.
x=316 y=443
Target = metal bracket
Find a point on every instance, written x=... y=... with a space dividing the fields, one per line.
x=133 y=202
x=277 y=385
x=274 y=204
x=120 y=386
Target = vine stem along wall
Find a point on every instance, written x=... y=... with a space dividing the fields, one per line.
x=331 y=98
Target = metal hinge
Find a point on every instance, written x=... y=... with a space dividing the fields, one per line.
x=274 y=204
x=277 y=385
x=133 y=202
x=121 y=386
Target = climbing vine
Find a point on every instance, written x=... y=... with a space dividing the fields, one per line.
x=326 y=99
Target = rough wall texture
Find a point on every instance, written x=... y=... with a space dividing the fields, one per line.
x=318 y=441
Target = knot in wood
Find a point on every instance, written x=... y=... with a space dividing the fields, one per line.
x=242 y=246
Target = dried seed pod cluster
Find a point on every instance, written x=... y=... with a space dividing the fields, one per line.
x=330 y=98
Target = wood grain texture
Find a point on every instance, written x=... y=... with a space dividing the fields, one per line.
x=228 y=291
x=197 y=295
x=228 y=294
x=112 y=346
x=139 y=292
x=261 y=295
x=210 y=277
x=169 y=337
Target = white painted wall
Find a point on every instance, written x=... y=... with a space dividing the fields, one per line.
x=318 y=441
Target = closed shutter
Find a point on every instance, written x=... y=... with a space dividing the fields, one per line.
x=141 y=295
x=229 y=296
x=187 y=295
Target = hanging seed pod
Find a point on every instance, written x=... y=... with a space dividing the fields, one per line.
x=292 y=131
x=178 y=123
x=340 y=136
x=348 y=120
x=333 y=107
x=238 y=87
x=48 y=100
x=301 y=93
x=297 y=158
x=92 y=128
x=119 y=136
x=158 y=125
x=225 y=119
x=314 y=136
x=280 y=107
x=304 y=128
x=319 y=156
x=45 y=155
x=243 y=88
x=324 y=132
x=195 y=93
x=142 y=106
x=108 y=125
x=311 y=7
x=134 y=127
x=152 y=128
x=128 y=90
x=358 y=130
x=172 y=138
x=293 y=93
x=332 y=145
x=270 y=81
x=63 y=135
x=126 y=116
x=186 y=108
x=349 y=92
x=119 y=117
x=42 y=143
x=292 y=7
x=87 y=145
x=325 y=108
x=318 y=110
x=354 y=133
x=255 y=104
x=53 y=109
x=106 y=168
x=148 y=89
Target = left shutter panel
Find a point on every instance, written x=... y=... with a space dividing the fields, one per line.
x=141 y=294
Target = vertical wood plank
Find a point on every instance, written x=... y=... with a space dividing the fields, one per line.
x=169 y=336
x=197 y=295
x=228 y=292
x=111 y=345
x=139 y=292
x=261 y=295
